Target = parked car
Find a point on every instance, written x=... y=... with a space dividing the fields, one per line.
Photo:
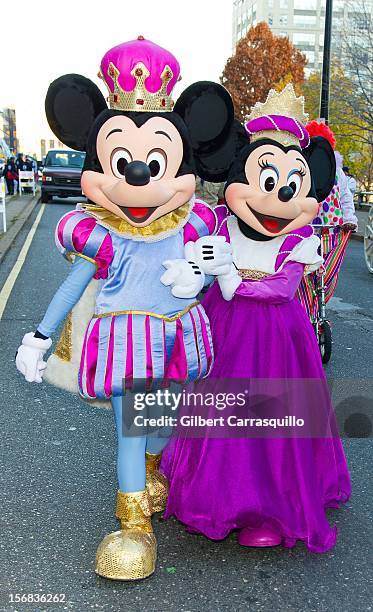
x=61 y=174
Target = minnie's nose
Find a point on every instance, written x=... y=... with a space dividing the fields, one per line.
x=285 y=193
x=137 y=173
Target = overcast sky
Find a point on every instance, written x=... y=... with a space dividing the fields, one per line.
x=45 y=40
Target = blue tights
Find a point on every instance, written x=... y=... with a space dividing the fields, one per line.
x=131 y=451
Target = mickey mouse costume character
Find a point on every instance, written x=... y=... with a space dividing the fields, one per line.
x=273 y=489
x=137 y=322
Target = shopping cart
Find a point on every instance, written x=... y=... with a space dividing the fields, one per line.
x=317 y=288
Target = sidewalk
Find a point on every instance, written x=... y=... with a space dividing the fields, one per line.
x=18 y=210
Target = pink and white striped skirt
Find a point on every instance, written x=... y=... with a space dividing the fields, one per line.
x=121 y=348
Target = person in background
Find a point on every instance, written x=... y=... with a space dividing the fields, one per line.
x=347 y=191
x=351 y=181
x=23 y=163
x=336 y=216
x=338 y=209
x=33 y=163
x=34 y=167
x=18 y=160
x=211 y=193
x=10 y=174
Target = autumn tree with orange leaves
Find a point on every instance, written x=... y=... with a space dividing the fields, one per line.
x=261 y=61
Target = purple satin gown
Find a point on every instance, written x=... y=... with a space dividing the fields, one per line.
x=285 y=485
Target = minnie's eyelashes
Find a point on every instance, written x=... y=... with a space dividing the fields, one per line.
x=265 y=164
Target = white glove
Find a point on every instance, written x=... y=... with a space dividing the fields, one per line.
x=228 y=283
x=211 y=253
x=29 y=359
x=185 y=278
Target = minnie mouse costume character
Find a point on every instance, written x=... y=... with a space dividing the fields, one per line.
x=273 y=489
x=149 y=246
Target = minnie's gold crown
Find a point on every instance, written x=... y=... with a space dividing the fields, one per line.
x=271 y=115
x=139 y=98
x=283 y=103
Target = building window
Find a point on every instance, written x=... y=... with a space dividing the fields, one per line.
x=270 y=19
x=303 y=38
x=305 y=5
x=337 y=24
x=283 y=20
x=270 y=4
x=361 y=22
x=283 y=4
x=304 y=21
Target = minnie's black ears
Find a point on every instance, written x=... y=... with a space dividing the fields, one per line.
x=207 y=110
x=72 y=104
x=321 y=160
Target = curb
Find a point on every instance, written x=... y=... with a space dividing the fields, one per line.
x=358 y=237
x=9 y=237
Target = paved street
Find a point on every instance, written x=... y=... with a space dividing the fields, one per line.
x=58 y=483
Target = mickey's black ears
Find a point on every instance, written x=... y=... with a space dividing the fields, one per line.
x=321 y=160
x=207 y=109
x=72 y=105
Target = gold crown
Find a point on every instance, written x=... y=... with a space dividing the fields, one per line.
x=139 y=98
x=283 y=103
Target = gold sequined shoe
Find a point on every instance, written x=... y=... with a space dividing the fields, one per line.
x=131 y=552
x=156 y=483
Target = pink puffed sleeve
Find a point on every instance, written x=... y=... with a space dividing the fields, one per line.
x=82 y=235
x=202 y=222
x=222 y=215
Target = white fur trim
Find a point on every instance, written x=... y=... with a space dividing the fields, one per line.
x=38 y=343
x=306 y=252
x=64 y=374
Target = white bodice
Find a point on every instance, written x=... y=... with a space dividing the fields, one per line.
x=251 y=254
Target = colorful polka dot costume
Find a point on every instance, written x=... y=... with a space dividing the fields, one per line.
x=330 y=212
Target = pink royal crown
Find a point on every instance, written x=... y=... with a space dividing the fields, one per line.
x=140 y=76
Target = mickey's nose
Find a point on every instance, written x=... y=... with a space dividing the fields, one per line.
x=137 y=173
x=285 y=193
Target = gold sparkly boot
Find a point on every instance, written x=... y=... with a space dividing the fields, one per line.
x=131 y=553
x=156 y=483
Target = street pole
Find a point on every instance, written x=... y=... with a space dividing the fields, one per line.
x=325 y=83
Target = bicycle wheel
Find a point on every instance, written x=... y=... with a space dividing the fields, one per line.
x=325 y=340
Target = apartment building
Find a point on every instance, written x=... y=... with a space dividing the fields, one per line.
x=303 y=22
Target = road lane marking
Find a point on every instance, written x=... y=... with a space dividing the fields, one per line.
x=10 y=282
